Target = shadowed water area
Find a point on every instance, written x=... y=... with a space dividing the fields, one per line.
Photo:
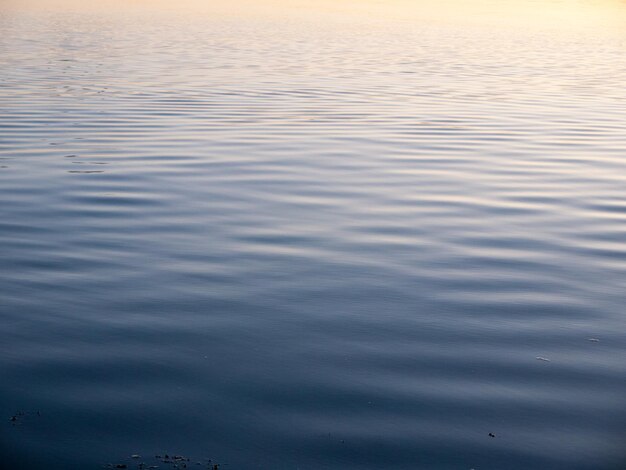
x=299 y=236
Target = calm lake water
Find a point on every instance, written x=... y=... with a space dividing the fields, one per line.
x=313 y=235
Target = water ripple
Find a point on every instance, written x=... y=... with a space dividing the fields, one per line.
x=329 y=241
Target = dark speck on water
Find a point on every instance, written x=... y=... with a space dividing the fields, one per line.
x=336 y=235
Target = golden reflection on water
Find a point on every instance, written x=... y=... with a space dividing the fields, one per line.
x=555 y=13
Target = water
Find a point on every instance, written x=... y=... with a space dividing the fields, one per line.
x=306 y=236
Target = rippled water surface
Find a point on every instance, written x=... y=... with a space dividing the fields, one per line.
x=304 y=236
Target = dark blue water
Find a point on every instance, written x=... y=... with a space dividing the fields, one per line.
x=312 y=241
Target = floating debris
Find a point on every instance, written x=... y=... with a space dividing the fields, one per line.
x=541 y=358
x=19 y=416
x=171 y=461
